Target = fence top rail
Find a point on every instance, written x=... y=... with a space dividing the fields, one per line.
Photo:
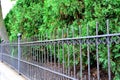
x=67 y=39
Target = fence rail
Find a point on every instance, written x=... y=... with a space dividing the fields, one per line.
x=63 y=59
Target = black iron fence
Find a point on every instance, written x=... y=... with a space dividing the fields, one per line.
x=77 y=58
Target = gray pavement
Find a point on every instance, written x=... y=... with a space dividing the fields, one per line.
x=7 y=73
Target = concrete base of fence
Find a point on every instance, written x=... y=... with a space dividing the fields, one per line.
x=6 y=73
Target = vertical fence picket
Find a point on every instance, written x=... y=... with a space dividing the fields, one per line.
x=74 y=61
x=63 y=61
x=58 y=54
x=42 y=51
x=97 y=54
x=54 y=56
x=47 y=52
x=44 y=54
x=108 y=50
x=80 y=53
x=50 y=56
x=88 y=53
x=68 y=52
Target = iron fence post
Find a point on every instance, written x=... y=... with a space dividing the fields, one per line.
x=19 y=52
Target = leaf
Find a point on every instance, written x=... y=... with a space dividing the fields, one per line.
x=117 y=55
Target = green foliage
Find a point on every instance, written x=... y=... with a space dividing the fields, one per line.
x=25 y=17
x=100 y=11
x=49 y=17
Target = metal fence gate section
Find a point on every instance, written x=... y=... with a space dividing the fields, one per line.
x=62 y=59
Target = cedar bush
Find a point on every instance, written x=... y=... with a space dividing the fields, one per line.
x=100 y=11
x=37 y=17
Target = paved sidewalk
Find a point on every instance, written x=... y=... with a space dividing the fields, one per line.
x=6 y=73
